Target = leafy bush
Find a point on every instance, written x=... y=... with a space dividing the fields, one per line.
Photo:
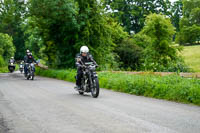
x=173 y=87
x=2 y=62
x=129 y=54
x=7 y=49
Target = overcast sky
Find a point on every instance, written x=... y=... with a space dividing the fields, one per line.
x=172 y=0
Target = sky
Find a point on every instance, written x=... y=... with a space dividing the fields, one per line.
x=172 y=0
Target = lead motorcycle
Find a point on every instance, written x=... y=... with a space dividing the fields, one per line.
x=30 y=71
x=89 y=81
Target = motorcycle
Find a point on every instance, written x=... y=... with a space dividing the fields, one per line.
x=11 y=67
x=89 y=81
x=30 y=71
x=21 y=68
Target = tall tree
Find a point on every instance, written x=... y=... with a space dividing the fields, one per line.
x=160 y=53
x=12 y=13
x=177 y=13
x=131 y=13
x=57 y=25
x=190 y=23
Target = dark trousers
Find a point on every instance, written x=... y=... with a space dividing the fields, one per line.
x=79 y=76
x=25 y=68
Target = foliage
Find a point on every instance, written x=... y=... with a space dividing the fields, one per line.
x=2 y=62
x=132 y=13
x=160 y=52
x=99 y=32
x=4 y=70
x=58 y=28
x=177 y=13
x=130 y=54
x=12 y=14
x=173 y=88
x=7 y=49
x=190 y=23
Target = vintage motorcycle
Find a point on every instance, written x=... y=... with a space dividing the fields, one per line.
x=21 y=67
x=30 y=71
x=11 y=67
x=89 y=81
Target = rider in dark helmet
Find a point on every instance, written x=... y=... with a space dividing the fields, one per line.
x=28 y=58
x=83 y=57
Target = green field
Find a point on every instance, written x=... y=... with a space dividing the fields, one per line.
x=191 y=56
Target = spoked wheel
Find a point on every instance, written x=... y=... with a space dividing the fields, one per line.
x=32 y=76
x=95 y=89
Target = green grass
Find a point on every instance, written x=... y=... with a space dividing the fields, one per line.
x=4 y=69
x=191 y=56
x=173 y=87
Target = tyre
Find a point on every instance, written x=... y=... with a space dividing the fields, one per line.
x=80 y=92
x=32 y=76
x=95 y=89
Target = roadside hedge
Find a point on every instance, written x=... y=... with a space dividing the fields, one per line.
x=171 y=87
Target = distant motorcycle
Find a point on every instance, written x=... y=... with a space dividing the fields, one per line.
x=11 y=67
x=30 y=71
x=89 y=81
x=21 y=68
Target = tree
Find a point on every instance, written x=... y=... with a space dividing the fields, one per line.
x=7 y=49
x=12 y=14
x=57 y=26
x=190 y=23
x=177 y=13
x=99 y=32
x=159 y=54
x=132 y=13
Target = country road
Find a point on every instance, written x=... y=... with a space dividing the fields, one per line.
x=52 y=106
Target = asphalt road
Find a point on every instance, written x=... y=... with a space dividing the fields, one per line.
x=52 y=106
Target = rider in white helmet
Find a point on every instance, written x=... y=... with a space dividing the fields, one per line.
x=81 y=58
x=12 y=60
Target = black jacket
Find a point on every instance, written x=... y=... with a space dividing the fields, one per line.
x=81 y=60
x=29 y=59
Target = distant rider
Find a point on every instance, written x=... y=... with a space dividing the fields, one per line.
x=12 y=60
x=83 y=57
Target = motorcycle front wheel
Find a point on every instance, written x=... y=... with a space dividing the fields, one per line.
x=32 y=76
x=95 y=89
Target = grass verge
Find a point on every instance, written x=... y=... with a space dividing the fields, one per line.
x=171 y=87
x=4 y=70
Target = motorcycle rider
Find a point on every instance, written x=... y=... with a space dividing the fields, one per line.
x=28 y=59
x=12 y=60
x=83 y=57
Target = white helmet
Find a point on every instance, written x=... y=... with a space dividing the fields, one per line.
x=84 y=49
x=27 y=51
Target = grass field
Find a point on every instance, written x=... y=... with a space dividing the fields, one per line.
x=191 y=56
